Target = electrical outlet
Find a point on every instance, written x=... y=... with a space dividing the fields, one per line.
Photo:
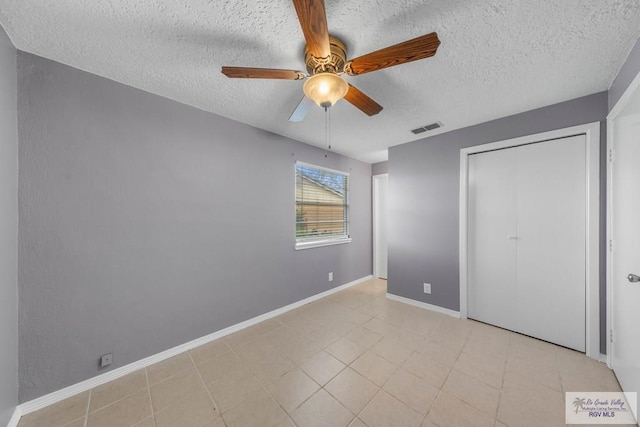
x=427 y=288
x=331 y=276
x=106 y=360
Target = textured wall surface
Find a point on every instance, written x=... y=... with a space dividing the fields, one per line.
x=628 y=72
x=146 y=223
x=8 y=231
x=424 y=198
x=497 y=57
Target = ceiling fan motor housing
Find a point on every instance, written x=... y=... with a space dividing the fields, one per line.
x=333 y=64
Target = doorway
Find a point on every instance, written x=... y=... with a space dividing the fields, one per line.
x=380 y=193
x=526 y=278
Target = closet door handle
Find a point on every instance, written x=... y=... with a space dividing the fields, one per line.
x=633 y=278
x=511 y=237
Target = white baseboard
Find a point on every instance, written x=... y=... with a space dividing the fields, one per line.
x=424 y=305
x=57 y=396
x=15 y=418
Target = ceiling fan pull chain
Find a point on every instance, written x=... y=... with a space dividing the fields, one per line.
x=326 y=130
x=329 y=128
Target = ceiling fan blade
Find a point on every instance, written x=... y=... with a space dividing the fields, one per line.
x=261 y=73
x=359 y=100
x=301 y=110
x=313 y=20
x=401 y=53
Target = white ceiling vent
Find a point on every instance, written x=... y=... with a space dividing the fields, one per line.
x=425 y=128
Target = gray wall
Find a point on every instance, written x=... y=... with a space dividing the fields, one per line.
x=8 y=231
x=145 y=223
x=379 y=168
x=625 y=76
x=424 y=198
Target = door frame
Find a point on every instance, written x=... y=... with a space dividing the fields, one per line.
x=375 y=180
x=617 y=109
x=592 y=255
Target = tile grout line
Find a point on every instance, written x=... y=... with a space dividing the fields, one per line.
x=336 y=397
x=287 y=414
x=429 y=382
x=502 y=382
x=264 y=386
x=504 y=372
x=205 y=386
x=266 y=389
x=431 y=407
x=298 y=366
x=446 y=378
x=380 y=388
x=153 y=411
x=368 y=402
x=86 y=414
x=322 y=387
x=557 y=358
x=119 y=399
x=224 y=422
x=175 y=374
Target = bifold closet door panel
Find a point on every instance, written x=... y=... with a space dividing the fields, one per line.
x=551 y=253
x=492 y=210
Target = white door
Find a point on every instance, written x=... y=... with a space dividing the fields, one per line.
x=380 y=190
x=552 y=241
x=492 y=217
x=527 y=239
x=625 y=258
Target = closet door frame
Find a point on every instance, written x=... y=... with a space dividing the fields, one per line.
x=592 y=255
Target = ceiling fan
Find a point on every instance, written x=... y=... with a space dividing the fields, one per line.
x=326 y=60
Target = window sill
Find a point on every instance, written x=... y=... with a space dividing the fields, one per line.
x=321 y=243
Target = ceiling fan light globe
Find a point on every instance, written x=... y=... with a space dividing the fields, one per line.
x=325 y=88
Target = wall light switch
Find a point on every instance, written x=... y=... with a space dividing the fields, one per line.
x=427 y=288
x=331 y=276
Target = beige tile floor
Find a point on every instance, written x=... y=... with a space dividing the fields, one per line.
x=353 y=359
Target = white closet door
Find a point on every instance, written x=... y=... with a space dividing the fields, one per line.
x=491 y=263
x=527 y=239
x=552 y=241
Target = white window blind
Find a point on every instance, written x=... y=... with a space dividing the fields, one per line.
x=322 y=206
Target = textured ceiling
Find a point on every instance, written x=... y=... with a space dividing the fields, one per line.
x=497 y=57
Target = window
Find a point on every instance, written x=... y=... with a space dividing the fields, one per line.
x=322 y=206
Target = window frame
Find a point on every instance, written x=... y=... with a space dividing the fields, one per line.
x=319 y=241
